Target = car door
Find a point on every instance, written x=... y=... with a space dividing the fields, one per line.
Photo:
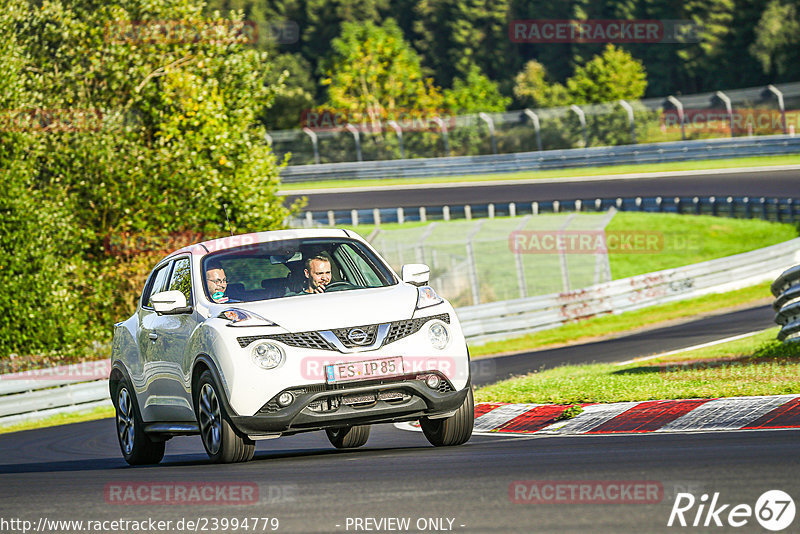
x=169 y=390
x=147 y=338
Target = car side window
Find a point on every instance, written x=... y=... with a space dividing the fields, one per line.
x=159 y=279
x=181 y=279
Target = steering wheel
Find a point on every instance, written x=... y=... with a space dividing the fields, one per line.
x=342 y=284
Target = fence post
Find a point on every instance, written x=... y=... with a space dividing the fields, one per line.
x=763 y=202
x=423 y=214
x=468 y=212
x=562 y=255
x=631 y=119
x=582 y=118
x=681 y=117
x=535 y=208
x=440 y=123
x=512 y=209
x=491 y=211
x=473 y=267
x=677 y=202
x=696 y=202
x=331 y=218
x=659 y=204
x=727 y=101
x=446 y=213
x=490 y=124
x=535 y=120
x=774 y=90
x=357 y=138
x=523 y=286
x=376 y=216
x=354 y=217
x=731 y=207
x=713 y=202
x=314 y=142
x=747 y=211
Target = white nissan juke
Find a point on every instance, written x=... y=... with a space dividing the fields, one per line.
x=261 y=335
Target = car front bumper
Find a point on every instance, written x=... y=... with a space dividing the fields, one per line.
x=320 y=406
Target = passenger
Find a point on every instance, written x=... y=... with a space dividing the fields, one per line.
x=216 y=282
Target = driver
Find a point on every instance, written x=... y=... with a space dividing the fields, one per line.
x=318 y=274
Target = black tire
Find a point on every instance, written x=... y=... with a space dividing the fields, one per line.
x=136 y=446
x=453 y=430
x=223 y=443
x=348 y=437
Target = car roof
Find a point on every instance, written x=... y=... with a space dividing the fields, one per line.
x=227 y=242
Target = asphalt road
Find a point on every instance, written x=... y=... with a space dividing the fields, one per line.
x=782 y=183
x=75 y=472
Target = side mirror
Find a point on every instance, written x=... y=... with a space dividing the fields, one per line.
x=416 y=274
x=170 y=303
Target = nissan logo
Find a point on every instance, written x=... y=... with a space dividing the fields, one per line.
x=357 y=336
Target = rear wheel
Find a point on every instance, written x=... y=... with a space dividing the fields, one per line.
x=348 y=437
x=136 y=446
x=223 y=443
x=453 y=430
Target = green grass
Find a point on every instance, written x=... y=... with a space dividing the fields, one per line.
x=62 y=419
x=757 y=161
x=758 y=365
x=598 y=327
x=689 y=239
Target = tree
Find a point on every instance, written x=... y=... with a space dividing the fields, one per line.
x=474 y=93
x=374 y=74
x=169 y=134
x=609 y=77
x=533 y=88
x=777 y=42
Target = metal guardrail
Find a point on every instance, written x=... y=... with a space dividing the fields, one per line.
x=768 y=209
x=37 y=394
x=552 y=159
x=499 y=320
x=786 y=289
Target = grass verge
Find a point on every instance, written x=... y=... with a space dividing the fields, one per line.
x=607 y=325
x=732 y=163
x=758 y=365
x=61 y=419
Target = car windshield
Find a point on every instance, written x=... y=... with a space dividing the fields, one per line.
x=291 y=268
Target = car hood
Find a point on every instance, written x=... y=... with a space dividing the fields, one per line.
x=339 y=309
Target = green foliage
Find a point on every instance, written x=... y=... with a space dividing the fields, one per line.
x=776 y=44
x=171 y=134
x=374 y=74
x=474 y=94
x=609 y=77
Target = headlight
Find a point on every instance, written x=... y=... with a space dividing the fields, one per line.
x=267 y=355
x=239 y=317
x=438 y=335
x=427 y=297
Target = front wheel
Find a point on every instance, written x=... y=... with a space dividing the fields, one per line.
x=453 y=430
x=222 y=442
x=136 y=446
x=348 y=437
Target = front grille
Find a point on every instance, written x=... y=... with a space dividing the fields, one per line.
x=303 y=340
x=401 y=329
x=314 y=340
x=343 y=334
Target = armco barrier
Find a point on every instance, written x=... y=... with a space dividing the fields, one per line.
x=552 y=159
x=786 y=289
x=499 y=320
x=36 y=394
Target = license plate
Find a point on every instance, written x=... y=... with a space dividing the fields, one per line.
x=364 y=370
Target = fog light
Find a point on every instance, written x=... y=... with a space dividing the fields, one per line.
x=267 y=355
x=433 y=381
x=285 y=399
x=438 y=335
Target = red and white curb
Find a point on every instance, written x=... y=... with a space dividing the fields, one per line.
x=689 y=415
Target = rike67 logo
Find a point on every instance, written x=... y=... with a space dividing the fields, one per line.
x=774 y=510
